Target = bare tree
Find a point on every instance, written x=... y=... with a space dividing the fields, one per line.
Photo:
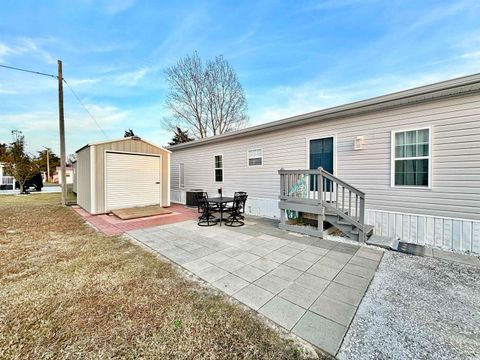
x=205 y=100
x=185 y=100
x=18 y=162
x=225 y=101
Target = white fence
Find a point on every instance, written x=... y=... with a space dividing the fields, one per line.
x=7 y=181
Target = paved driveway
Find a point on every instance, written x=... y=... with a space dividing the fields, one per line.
x=309 y=286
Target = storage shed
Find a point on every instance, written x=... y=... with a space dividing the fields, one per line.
x=124 y=173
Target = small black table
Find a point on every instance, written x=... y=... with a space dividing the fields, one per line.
x=221 y=201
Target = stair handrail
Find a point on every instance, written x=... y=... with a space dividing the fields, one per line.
x=289 y=180
x=340 y=181
x=361 y=196
x=341 y=214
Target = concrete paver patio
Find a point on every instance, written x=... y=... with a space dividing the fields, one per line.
x=306 y=285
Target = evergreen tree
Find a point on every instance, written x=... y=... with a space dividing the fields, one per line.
x=128 y=133
x=18 y=162
x=41 y=161
x=180 y=137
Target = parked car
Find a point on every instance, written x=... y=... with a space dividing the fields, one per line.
x=34 y=181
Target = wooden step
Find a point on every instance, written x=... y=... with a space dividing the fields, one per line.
x=331 y=213
x=368 y=230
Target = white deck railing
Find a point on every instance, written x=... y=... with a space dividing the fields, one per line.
x=317 y=192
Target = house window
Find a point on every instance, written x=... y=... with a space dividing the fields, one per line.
x=181 y=175
x=218 y=168
x=411 y=158
x=255 y=157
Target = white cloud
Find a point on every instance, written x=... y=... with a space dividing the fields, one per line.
x=6 y=51
x=474 y=55
x=83 y=82
x=27 y=46
x=113 y=7
x=35 y=46
x=41 y=127
x=107 y=115
x=131 y=78
x=4 y=91
x=286 y=101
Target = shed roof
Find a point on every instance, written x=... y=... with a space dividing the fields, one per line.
x=454 y=87
x=137 y=138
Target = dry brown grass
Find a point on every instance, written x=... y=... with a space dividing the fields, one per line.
x=69 y=292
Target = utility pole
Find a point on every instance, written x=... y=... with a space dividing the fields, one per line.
x=48 y=165
x=61 y=121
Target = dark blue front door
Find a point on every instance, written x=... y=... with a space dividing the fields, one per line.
x=321 y=155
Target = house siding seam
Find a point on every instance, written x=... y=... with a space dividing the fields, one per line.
x=455 y=129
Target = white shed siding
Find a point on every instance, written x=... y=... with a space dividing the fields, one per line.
x=455 y=131
x=91 y=171
x=140 y=185
x=83 y=179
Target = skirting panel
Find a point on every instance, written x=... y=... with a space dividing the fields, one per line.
x=178 y=196
x=263 y=207
x=433 y=231
x=441 y=232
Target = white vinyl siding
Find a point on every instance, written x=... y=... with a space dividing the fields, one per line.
x=255 y=157
x=411 y=160
x=132 y=180
x=455 y=135
x=84 y=184
x=181 y=175
x=218 y=171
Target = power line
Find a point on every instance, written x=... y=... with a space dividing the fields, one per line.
x=85 y=108
x=29 y=71
x=65 y=81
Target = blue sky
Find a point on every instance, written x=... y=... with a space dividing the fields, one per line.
x=291 y=57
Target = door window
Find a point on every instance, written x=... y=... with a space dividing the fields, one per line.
x=321 y=155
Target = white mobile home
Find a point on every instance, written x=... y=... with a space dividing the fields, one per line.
x=122 y=173
x=415 y=154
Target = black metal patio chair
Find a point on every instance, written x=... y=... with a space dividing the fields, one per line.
x=206 y=218
x=198 y=198
x=244 y=197
x=235 y=218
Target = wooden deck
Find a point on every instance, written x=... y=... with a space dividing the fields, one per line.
x=140 y=212
x=320 y=196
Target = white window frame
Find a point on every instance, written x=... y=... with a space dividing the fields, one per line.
x=181 y=174
x=215 y=169
x=254 y=157
x=428 y=157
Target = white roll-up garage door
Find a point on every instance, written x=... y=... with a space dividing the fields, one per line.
x=132 y=180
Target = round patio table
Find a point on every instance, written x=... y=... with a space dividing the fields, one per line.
x=221 y=201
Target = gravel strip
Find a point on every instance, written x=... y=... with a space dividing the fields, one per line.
x=417 y=308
